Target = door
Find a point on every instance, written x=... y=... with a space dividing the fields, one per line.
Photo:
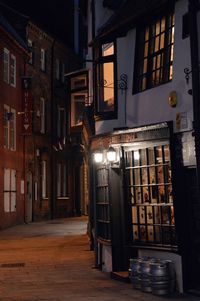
x=29 y=198
x=193 y=243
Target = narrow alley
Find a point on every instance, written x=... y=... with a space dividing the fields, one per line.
x=51 y=261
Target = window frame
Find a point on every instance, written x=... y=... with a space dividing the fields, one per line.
x=6 y=65
x=159 y=62
x=10 y=190
x=31 y=49
x=9 y=130
x=44 y=178
x=100 y=60
x=43 y=59
x=42 y=115
x=13 y=70
x=78 y=90
x=149 y=185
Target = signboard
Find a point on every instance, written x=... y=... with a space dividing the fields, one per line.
x=27 y=106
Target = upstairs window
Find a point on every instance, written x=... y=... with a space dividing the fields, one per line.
x=9 y=128
x=13 y=70
x=42 y=116
x=43 y=59
x=61 y=122
x=105 y=80
x=154 y=54
x=31 y=49
x=79 y=97
x=6 y=64
x=9 y=68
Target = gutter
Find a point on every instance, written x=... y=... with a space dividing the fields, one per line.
x=193 y=9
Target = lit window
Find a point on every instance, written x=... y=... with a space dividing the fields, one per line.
x=154 y=54
x=105 y=79
x=79 y=97
x=148 y=172
x=77 y=109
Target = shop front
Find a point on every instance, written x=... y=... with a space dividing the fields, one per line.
x=139 y=198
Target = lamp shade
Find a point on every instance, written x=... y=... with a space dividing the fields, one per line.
x=98 y=157
x=111 y=154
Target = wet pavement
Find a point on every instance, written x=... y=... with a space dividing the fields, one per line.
x=52 y=261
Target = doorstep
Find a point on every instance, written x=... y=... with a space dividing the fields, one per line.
x=121 y=276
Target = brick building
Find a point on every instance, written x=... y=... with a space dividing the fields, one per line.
x=14 y=54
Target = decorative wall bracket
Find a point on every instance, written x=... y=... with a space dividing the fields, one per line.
x=122 y=82
x=187 y=72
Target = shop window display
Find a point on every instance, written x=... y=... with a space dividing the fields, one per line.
x=148 y=174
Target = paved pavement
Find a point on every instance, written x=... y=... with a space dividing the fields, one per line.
x=51 y=261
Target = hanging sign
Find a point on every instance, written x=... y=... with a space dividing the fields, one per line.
x=27 y=106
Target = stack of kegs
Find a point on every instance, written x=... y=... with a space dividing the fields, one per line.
x=152 y=275
x=163 y=278
x=134 y=272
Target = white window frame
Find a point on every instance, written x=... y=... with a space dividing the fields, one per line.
x=44 y=179
x=10 y=190
x=42 y=115
x=12 y=132
x=42 y=59
x=76 y=98
x=6 y=65
x=6 y=140
x=12 y=70
x=9 y=128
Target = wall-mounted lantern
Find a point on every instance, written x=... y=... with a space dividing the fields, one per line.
x=98 y=156
x=111 y=154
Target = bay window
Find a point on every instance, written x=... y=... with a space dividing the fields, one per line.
x=106 y=81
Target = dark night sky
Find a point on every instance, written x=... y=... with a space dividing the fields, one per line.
x=53 y=15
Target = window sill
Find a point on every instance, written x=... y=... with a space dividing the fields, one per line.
x=105 y=116
x=156 y=247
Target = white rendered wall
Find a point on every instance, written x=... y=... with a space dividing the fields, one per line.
x=151 y=106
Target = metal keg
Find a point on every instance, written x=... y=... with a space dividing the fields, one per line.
x=134 y=272
x=162 y=275
x=145 y=275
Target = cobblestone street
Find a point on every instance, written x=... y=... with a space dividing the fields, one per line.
x=51 y=261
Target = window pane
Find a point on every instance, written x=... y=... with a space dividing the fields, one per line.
x=107 y=49
x=156 y=38
x=107 y=87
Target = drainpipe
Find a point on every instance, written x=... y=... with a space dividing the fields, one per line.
x=52 y=159
x=193 y=8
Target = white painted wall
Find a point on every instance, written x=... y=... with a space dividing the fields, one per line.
x=151 y=106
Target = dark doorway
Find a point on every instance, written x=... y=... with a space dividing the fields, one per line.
x=193 y=242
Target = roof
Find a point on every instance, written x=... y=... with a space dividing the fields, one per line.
x=9 y=29
x=128 y=14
